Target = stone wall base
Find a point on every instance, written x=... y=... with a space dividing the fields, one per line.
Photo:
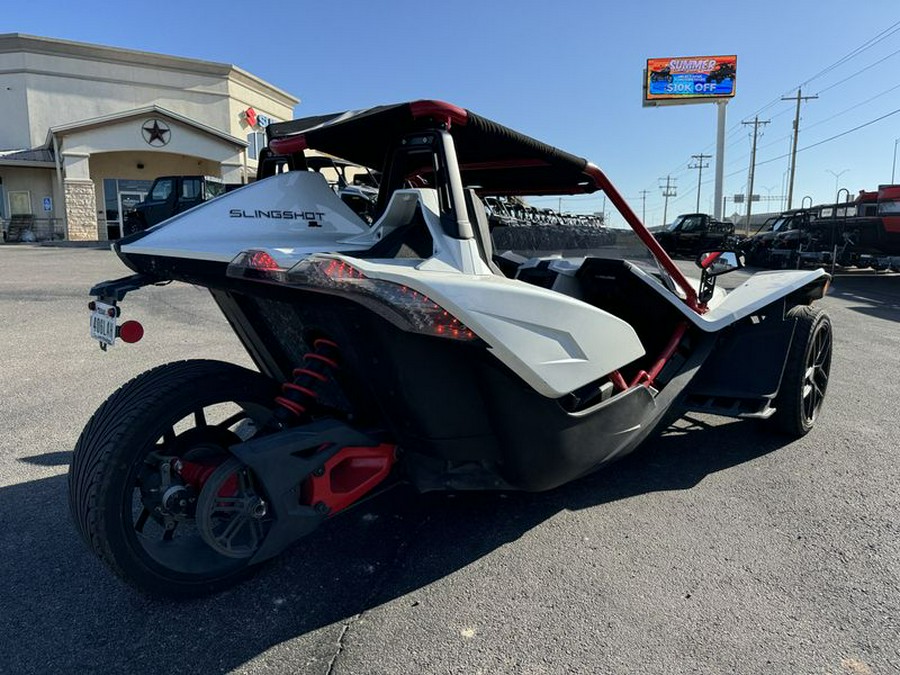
x=81 y=211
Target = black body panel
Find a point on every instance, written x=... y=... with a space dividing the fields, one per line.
x=747 y=363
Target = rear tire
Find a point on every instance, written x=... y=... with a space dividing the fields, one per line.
x=806 y=372
x=109 y=479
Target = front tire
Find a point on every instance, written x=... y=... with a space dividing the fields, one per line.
x=806 y=372
x=189 y=411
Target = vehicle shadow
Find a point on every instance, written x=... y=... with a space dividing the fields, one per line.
x=877 y=294
x=61 y=610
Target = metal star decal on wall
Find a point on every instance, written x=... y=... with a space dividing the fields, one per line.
x=156 y=133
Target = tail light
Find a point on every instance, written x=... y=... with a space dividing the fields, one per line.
x=414 y=310
x=256 y=264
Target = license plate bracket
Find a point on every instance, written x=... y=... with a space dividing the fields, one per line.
x=102 y=325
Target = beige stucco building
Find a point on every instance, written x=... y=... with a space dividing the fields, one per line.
x=87 y=128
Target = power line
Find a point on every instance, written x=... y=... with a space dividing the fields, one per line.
x=868 y=44
x=861 y=70
x=853 y=107
x=831 y=138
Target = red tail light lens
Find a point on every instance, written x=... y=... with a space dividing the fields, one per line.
x=417 y=311
x=255 y=264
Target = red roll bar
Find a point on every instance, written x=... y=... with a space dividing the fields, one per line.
x=644 y=235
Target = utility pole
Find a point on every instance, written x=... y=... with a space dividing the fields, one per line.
x=644 y=194
x=794 y=144
x=668 y=190
x=756 y=124
x=699 y=165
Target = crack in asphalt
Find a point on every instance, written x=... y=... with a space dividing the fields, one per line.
x=340 y=643
x=376 y=590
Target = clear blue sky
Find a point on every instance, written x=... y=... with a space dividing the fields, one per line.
x=568 y=73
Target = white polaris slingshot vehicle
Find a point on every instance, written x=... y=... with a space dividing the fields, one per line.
x=408 y=350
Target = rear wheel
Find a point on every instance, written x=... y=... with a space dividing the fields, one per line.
x=806 y=372
x=138 y=480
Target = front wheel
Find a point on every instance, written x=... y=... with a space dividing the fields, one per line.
x=806 y=372
x=138 y=480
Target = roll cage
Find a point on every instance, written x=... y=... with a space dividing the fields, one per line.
x=448 y=148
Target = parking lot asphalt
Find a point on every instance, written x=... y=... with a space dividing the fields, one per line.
x=717 y=547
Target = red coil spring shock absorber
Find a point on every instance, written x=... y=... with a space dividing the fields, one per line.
x=300 y=393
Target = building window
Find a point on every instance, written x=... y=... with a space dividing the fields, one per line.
x=19 y=202
x=256 y=141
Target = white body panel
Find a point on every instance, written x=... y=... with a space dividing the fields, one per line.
x=762 y=289
x=555 y=342
x=223 y=227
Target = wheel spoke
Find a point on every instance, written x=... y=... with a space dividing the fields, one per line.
x=232 y=506
x=823 y=347
x=234 y=419
x=142 y=520
x=244 y=486
x=170 y=532
x=810 y=406
x=199 y=417
x=256 y=532
x=232 y=530
x=169 y=437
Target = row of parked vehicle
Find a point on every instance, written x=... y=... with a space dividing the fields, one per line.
x=864 y=232
x=516 y=225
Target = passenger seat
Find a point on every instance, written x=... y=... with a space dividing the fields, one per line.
x=481 y=229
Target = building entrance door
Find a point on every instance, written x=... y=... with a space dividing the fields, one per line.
x=127 y=201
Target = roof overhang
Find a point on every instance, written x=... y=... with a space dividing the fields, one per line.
x=83 y=125
x=39 y=158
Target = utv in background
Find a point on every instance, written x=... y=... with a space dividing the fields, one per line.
x=693 y=233
x=171 y=195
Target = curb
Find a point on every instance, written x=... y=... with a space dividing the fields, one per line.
x=98 y=245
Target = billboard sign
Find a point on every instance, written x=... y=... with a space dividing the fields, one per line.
x=690 y=79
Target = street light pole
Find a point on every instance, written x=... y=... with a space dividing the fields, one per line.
x=894 y=165
x=837 y=177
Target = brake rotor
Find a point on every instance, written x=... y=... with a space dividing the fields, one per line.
x=232 y=514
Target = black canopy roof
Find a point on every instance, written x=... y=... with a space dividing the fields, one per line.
x=491 y=156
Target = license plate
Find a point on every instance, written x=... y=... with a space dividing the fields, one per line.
x=103 y=326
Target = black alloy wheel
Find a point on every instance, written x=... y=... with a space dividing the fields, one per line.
x=139 y=468
x=806 y=373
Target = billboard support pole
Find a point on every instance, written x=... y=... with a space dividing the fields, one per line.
x=720 y=158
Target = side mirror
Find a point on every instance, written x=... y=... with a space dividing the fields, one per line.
x=712 y=264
